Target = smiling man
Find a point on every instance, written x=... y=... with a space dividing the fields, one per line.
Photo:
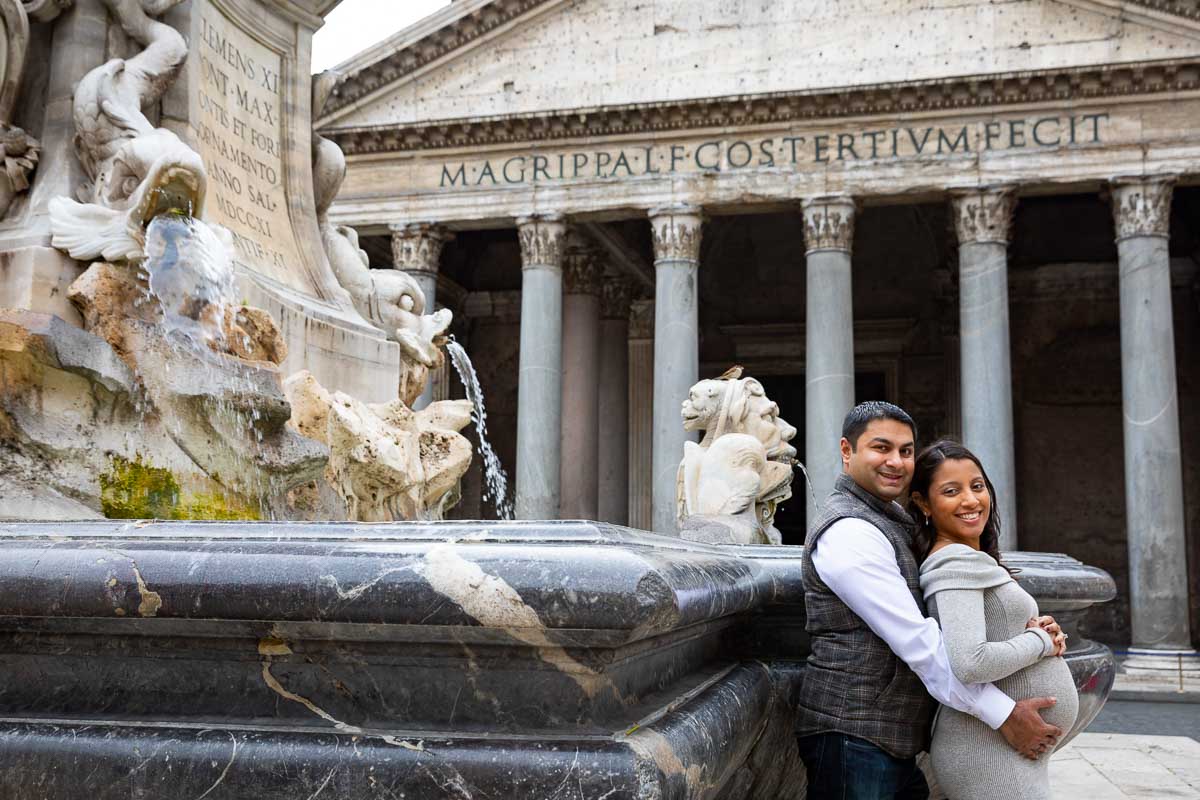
x=864 y=703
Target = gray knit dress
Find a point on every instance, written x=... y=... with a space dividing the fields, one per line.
x=983 y=613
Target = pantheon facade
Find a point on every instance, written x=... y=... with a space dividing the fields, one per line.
x=986 y=212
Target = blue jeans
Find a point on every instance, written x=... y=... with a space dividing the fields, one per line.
x=842 y=767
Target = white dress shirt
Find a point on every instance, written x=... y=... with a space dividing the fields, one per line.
x=858 y=563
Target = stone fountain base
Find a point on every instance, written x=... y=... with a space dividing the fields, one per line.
x=454 y=660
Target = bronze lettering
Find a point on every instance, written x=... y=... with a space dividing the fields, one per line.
x=820 y=145
x=1016 y=133
x=504 y=170
x=1037 y=126
x=991 y=132
x=716 y=162
x=845 y=142
x=794 y=141
x=650 y=170
x=919 y=146
x=766 y=147
x=943 y=139
x=738 y=146
x=621 y=162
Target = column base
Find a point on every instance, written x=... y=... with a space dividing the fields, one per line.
x=1161 y=663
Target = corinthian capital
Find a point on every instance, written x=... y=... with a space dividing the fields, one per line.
x=417 y=246
x=984 y=214
x=828 y=223
x=641 y=319
x=582 y=268
x=616 y=295
x=676 y=232
x=1142 y=205
x=542 y=240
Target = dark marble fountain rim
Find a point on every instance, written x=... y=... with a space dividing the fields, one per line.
x=571 y=531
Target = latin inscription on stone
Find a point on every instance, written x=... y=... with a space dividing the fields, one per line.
x=810 y=150
x=237 y=106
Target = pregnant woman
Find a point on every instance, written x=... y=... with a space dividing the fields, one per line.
x=991 y=627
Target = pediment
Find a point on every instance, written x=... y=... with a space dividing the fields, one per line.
x=525 y=58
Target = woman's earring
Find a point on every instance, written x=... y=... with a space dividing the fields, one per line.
x=926 y=520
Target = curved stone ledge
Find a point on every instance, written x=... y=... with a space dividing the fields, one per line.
x=270 y=660
x=688 y=752
x=620 y=584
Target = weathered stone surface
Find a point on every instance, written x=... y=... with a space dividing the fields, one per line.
x=741 y=470
x=252 y=334
x=386 y=461
x=78 y=439
x=135 y=169
x=765 y=47
x=511 y=659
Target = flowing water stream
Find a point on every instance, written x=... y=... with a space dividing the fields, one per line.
x=495 y=480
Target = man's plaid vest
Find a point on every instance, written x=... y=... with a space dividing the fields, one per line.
x=853 y=682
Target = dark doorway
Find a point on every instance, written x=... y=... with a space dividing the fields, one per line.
x=788 y=393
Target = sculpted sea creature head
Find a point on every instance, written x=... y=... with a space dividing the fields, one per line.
x=148 y=175
x=401 y=310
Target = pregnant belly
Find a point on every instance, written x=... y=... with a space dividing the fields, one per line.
x=1050 y=677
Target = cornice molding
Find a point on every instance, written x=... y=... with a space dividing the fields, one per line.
x=462 y=31
x=1188 y=9
x=943 y=94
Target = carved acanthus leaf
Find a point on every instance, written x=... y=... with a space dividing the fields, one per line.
x=641 y=319
x=542 y=241
x=676 y=232
x=582 y=270
x=983 y=215
x=828 y=223
x=1142 y=205
x=616 y=296
x=417 y=247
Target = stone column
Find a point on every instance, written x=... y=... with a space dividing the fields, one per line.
x=676 y=232
x=1158 y=589
x=417 y=250
x=641 y=413
x=581 y=382
x=613 y=421
x=539 y=382
x=982 y=220
x=829 y=338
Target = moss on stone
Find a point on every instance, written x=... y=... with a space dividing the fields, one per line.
x=136 y=490
x=218 y=506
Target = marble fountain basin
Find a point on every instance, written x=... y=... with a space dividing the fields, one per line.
x=421 y=660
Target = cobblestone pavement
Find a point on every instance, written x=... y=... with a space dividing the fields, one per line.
x=1144 y=751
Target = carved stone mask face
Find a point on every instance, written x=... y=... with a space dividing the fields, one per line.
x=762 y=421
x=700 y=409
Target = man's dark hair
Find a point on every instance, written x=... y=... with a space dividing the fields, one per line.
x=864 y=414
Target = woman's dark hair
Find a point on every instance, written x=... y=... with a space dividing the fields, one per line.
x=927 y=463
